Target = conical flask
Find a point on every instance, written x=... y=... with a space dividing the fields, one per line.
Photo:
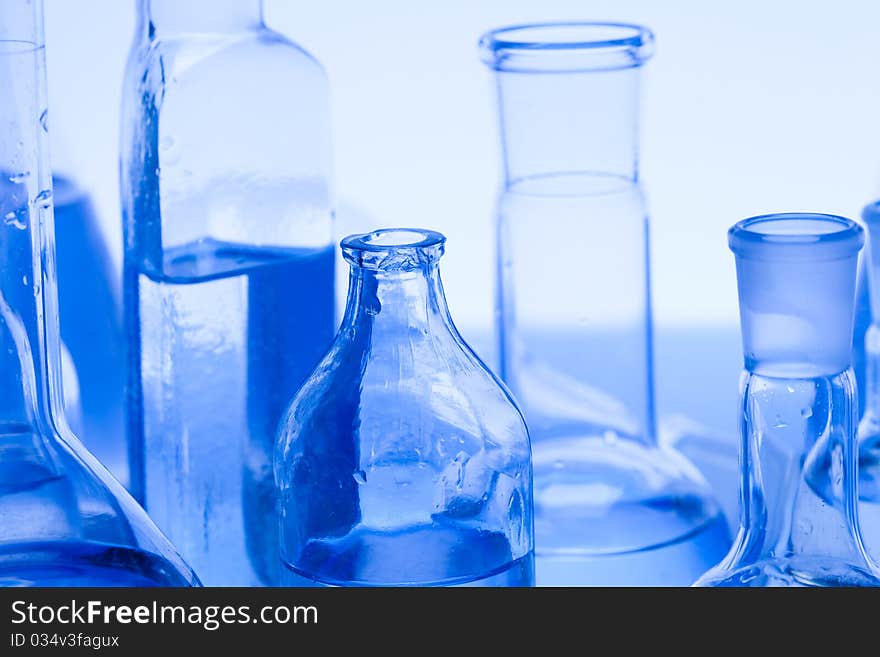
x=799 y=526
x=574 y=321
x=65 y=520
x=403 y=460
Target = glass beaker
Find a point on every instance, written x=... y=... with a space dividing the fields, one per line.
x=799 y=525
x=574 y=319
x=403 y=460
x=228 y=273
x=65 y=520
x=869 y=427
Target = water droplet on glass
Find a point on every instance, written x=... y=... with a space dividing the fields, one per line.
x=806 y=412
x=166 y=143
x=360 y=476
x=779 y=423
x=44 y=120
x=16 y=220
x=43 y=199
x=24 y=280
x=461 y=460
x=558 y=465
x=610 y=436
x=19 y=178
x=789 y=388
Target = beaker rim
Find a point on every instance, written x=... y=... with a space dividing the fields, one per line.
x=567 y=46
x=796 y=235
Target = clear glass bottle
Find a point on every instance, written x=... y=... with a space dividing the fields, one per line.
x=228 y=273
x=574 y=319
x=65 y=521
x=403 y=460
x=799 y=514
x=869 y=427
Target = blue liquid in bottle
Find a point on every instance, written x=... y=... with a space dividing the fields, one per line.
x=429 y=556
x=227 y=334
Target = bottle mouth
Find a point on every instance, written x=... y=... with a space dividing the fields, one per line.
x=567 y=47
x=796 y=236
x=394 y=249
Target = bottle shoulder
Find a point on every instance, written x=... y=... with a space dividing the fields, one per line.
x=424 y=391
x=259 y=53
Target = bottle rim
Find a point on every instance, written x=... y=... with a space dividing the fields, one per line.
x=796 y=235
x=394 y=249
x=567 y=46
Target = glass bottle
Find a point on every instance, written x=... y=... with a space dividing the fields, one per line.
x=403 y=460
x=65 y=521
x=574 y=321
x=869 y=427
x=90 y=311
x=228 y=271
x=798 y=497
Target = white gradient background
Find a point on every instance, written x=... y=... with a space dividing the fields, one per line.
x=750 y=107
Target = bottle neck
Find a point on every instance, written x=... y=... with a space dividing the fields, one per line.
x=168 y=17
x=408 y=305
x=569 y=122
x=29 y=347
x=799 y=478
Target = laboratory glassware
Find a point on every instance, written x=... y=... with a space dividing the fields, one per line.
x=796 y=275
x=228 y=289
x=403 y=460
x=869 y=427
x=573 y=315
x=65 y=520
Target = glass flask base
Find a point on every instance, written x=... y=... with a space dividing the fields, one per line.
x=416 y=556
x=611 y=512
x=791 y=573
x=84 y=563
x=672 y=564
